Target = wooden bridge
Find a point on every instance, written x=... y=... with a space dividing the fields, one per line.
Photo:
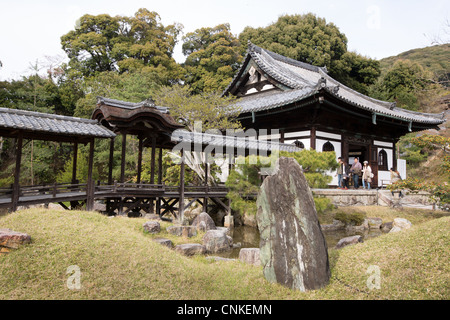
x=120 y=198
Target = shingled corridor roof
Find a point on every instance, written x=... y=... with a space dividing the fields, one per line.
x=298 y=80
x=225 y=143
x=38 y=122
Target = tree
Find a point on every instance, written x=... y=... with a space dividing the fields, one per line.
x=208 y=108
x=310 y=39
x=213 y=56
x=406 y=82
x=103 y=43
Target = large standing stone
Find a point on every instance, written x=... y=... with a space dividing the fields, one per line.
x=203 y=222
x=293 y=250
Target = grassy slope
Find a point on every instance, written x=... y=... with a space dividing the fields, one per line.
x=435 y=58
x=119 y=261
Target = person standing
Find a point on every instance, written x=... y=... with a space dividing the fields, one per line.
x=356 y=171
x=367 y=175
x=339 y=172
x=345 y=175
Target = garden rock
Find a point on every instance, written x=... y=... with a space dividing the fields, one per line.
x=10 y=240
x=189 y=249
x=216 y=241
x=165 y=242
x=182 y=231
x=400 y=224
x=374 y=223
x=293 y=250
x=152 y=227
x=250 y=256
x=348 y=241
x=203 y=222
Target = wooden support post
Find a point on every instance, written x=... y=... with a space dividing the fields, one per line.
x=313 y=138
x=158 y=200
x=152 y=172
x=16 y=188
x=90 y=181
x=122 y=165
x=181 y=205
x=205 y=199
x=111 y=161
x=139 y=168
x=75 y=160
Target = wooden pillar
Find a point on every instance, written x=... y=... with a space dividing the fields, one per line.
x=313 y=138
x=111 y=161
x=139 y=168
x=205 y=199
x=16 y=188
x=158 y=200
x=90 y=181
x=152 y=172
x=181 y=204
x=122 y=165
x=75 y=160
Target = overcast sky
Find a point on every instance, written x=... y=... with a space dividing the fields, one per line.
x=31 y=30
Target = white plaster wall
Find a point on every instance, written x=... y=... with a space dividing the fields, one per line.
x=386 y=175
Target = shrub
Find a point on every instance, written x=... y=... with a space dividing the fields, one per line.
x=352 y=218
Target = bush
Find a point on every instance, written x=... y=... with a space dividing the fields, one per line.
x=323 y=205
x=352 y=218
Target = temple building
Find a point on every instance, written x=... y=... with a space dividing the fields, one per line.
x=312 y=110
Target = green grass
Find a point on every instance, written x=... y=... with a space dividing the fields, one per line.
x=119 y=261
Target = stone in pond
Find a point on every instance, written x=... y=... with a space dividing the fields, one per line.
x=293 y=250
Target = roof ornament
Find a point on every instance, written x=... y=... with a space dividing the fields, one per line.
x=322 y=82
x=336 y=89
x=393 y=105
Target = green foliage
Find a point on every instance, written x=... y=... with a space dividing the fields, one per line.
x=104 y=43
x=323 y=205
x=406 y=82
x=354 y=218
x=213 y=56
x=315 y=165
x=210 y=109
x=434 y=58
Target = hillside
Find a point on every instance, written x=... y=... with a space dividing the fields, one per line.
x=118 y=260
x=435 y=58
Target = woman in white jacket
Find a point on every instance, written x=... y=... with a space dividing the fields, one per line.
x=367 y=175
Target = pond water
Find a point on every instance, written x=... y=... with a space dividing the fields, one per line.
x=249 y=238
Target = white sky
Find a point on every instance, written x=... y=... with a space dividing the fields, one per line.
x=31 y=30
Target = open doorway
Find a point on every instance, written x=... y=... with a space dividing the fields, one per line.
x=360 y=152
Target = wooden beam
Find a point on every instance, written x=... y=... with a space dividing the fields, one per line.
x=16 y=188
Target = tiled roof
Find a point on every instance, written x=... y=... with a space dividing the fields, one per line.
x=229 y=142
x=301 y=80
x=53 y=124
x=131 y=105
